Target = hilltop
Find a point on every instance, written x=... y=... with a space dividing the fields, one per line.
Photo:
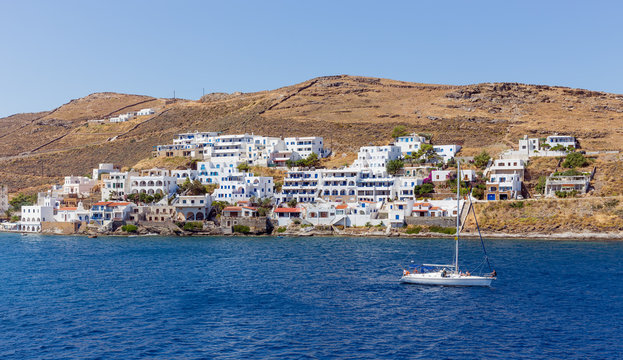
x=349 y=111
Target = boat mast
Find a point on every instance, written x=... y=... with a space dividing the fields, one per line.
x=458 y=215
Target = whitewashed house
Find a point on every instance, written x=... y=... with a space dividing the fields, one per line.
x=78 y=185
x=376 y=158
x=147 y=111
x=410 y=144
x=446 y=152
x=105 y=168
x=117 y=185
x=154 y=181
x=505 y=178
x=193 y=207
x=305 y=146
x=564 y=140
x=104 y=212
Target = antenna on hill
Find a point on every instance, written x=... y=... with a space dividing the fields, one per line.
x=173 y=94
x=203 y=92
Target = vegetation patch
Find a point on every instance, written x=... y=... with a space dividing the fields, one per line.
x=129 y=228
x=442 y=230
x=193 y=226
x=243 y=229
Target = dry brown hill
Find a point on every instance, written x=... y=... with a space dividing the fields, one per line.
x=349 y=111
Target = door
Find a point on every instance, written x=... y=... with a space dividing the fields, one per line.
x=490 y=197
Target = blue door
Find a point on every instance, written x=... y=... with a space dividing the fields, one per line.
x=490 y=196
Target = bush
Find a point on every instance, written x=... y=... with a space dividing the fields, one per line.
x=481 y=160
x=414 y=230
x=399 y=131
x=244 y=167
x=566 y=194
x=296 y=221
x=516 y=204
x=14 y=218
x=394 y=166
x=22 y=200
x=129 y=228
x=243 y=229
x=193 y=226
x=442 y=230
x=292 y=203
x=368 y=224
x=478 y=193
x=281 y=229
x=574 y=159
x=423 y=189
x=540 y=186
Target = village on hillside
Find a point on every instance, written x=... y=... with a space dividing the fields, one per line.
x=247 y=183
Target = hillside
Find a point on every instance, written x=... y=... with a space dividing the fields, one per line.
x=348 y=111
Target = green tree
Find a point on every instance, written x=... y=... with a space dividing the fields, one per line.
x=481 y=160
x=218 y=206
x=22 y=200
x=574 y=160
x=426 y=188
x=244 y=167
x=292 y=203
x=399 y=131
x=394 y=166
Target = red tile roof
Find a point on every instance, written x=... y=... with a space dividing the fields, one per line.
x=111 y=203
x=233 y=208
x=341 y=206
x=67 y=209
x=287 y=210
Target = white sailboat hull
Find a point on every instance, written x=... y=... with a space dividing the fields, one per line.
x=436 y=279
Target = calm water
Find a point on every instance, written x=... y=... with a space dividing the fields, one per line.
x=128 y=298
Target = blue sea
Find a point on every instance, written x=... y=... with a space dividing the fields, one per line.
x=316 y=298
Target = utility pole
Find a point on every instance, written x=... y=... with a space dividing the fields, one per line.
x=173 y=95
x=203 y=92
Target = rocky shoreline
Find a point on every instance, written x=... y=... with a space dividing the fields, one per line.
x=211 y=229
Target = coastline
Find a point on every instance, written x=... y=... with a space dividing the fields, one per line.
x=566 y=236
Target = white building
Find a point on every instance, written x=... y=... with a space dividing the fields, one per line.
x=446 y=152
x=32 y=216
x=193 y=207
x=78 y=185
x=154 y=181
x=376 y=158
x=305 y=146
x=4 y=198
x=107 y=211
x=213 y=172
x=123 y=117
x=105 y=168
x=302 y=185
x=404 y=186
x=185 y=174
x=410 y=144
x=72 y=214
x=117 y=185
x=147 y=111
x=505 y=178
x=565 y=141
x=243 y=186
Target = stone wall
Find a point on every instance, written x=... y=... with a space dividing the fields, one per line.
x=60 y=228
x=445 y=221
x=257 y=225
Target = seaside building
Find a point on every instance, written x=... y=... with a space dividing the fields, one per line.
x=153 y=181
x=104 y=168
x=104 y=212
x=193 y=207
x=117 y=185
x=567 y=183
x=78 y=185
x=505 y=179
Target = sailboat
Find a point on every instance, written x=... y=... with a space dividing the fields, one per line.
x=450 y=275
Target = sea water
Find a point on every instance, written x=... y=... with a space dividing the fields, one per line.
x=265 y=297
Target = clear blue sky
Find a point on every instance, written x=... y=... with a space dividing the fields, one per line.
x=55 y=51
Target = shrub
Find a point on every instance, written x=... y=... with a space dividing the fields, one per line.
x=574 y=159
x=281 y=229
x=394 y=166
x=516 y=204
x=243 y=229
x=424 y=189
x=292 y=203
x=481 y=160
x=14 y=218
x=540 y=186
x=296 y=221
x=193 y=226
x=442 y=230
x=129 y=228
x=399 y=131
x=414 y=230
x=368 y=224
x=244 y=167
x=566 y=194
